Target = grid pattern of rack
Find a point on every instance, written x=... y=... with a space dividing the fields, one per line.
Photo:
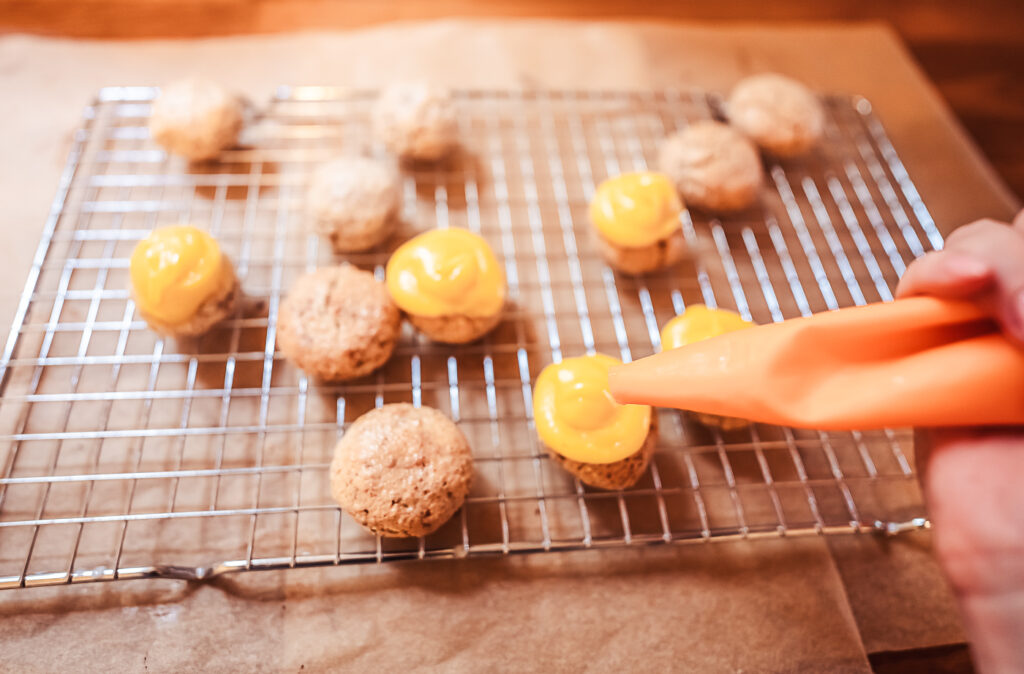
x=124 y=455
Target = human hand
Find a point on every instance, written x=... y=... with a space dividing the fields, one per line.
x=972 y=477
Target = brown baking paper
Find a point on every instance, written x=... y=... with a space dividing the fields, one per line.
x=776 y=605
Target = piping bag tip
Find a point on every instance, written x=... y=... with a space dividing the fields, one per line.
x=913 y=362
x=665 y=379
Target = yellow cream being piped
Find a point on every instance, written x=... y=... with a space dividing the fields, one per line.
x=576 y=416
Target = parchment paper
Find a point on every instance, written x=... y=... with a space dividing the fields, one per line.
x=785 y=605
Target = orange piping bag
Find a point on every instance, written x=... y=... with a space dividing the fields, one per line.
x=913 y=362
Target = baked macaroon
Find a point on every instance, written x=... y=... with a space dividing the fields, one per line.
x=696 y=324
x=636 y=219
x=715 y=167
x=353 y=202
x=778 y=113
x=449 y=284
x=401 y=470
x=605 y=444
x=416 y=121
x=338 y=323
x=196 y=118
x=182 y=283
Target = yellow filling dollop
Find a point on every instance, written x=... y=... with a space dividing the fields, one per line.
x=577 y=417
x=633 y=210
x=174 y=270
x=699 y=322
x=446 y=272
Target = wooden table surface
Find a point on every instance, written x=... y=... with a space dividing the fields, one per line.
x=784 y=605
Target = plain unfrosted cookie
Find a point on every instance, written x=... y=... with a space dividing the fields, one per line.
x=401 y=470
x=416 y=121
x=353 y=202
x=195 y=118
x=715 y=167
x=778 y=113
x=338 y=323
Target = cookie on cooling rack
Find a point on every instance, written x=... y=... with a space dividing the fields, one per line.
x=353 y=202
x=696 y=324
x=416 y=121
x=449 y=283
x=401 y=470
x=603 y=443
x=182 y=283
x=636 y=219
x=715 y=167
x=778 y=113
x=338 y=323
x=196 y=118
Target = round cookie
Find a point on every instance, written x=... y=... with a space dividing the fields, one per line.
x=401 y=470
x=353 y=202
x=338 y=323
x=715 y=167
x=195 y=118
x=182 y=283
x=636 y=219
x=778 y=113
x=416 y=121
x=603 y=443
x=449 y=283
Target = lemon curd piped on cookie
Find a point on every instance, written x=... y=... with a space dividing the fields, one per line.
x=449 y=283
x=699 y=322
x=181 y=281
x=603 y=443
x=636 y=217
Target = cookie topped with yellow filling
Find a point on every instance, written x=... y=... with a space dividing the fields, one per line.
x=605 y=444
x=450 y=284
x=182 y=283
x=636 y=218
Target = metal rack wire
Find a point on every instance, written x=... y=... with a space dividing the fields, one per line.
x=125 y=455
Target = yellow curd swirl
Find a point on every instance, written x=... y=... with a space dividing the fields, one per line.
x=174 y=270
x=577 y=417
x=633 y=210
x=699 y=322
x=446 y=272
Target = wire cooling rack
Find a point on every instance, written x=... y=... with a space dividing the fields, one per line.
x=125 y=455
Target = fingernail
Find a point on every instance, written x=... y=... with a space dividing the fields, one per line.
x=968 y=267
